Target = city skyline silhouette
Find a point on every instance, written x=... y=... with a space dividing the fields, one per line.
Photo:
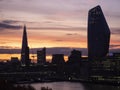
x=11 y=50
x=99 y=67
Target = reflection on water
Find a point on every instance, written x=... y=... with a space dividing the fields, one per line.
x=100 y=87
x=60 y=86
x=74 y=86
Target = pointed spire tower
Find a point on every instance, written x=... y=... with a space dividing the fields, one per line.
x=25 y=49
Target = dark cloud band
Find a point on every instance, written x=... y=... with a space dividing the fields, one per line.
x=4 y=26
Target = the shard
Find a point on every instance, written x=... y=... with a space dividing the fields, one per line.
x=98 y=34
x=25 y=49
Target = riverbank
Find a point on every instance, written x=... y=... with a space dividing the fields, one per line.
x=101 y=82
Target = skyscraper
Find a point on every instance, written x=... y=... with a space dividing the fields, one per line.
x=41 y=56
x=98 y=34
x=25 y=49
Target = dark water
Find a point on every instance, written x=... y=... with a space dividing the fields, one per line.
x=74 y=86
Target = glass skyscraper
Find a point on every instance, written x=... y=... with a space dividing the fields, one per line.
x=98 y=34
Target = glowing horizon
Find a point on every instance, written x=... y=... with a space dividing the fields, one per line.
x=9 y=56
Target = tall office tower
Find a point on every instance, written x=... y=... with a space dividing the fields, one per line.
x=41 y=56
x=98 y=34
x=25 y=49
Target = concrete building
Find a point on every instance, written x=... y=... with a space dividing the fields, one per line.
x=41 y=56
x=58 y=59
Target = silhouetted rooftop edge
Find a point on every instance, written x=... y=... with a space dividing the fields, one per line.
x=98 y=6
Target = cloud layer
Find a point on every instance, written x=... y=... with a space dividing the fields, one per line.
x=9 y=24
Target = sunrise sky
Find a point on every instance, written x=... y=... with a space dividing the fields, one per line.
x=54 y=23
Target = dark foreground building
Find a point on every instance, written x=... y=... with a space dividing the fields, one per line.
x=58 y=59
x=25 y=49
x=75 y=57
x=98 y=34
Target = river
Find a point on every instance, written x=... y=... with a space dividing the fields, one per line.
x=74 y=86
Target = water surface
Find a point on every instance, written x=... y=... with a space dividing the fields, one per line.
x=73 y=86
